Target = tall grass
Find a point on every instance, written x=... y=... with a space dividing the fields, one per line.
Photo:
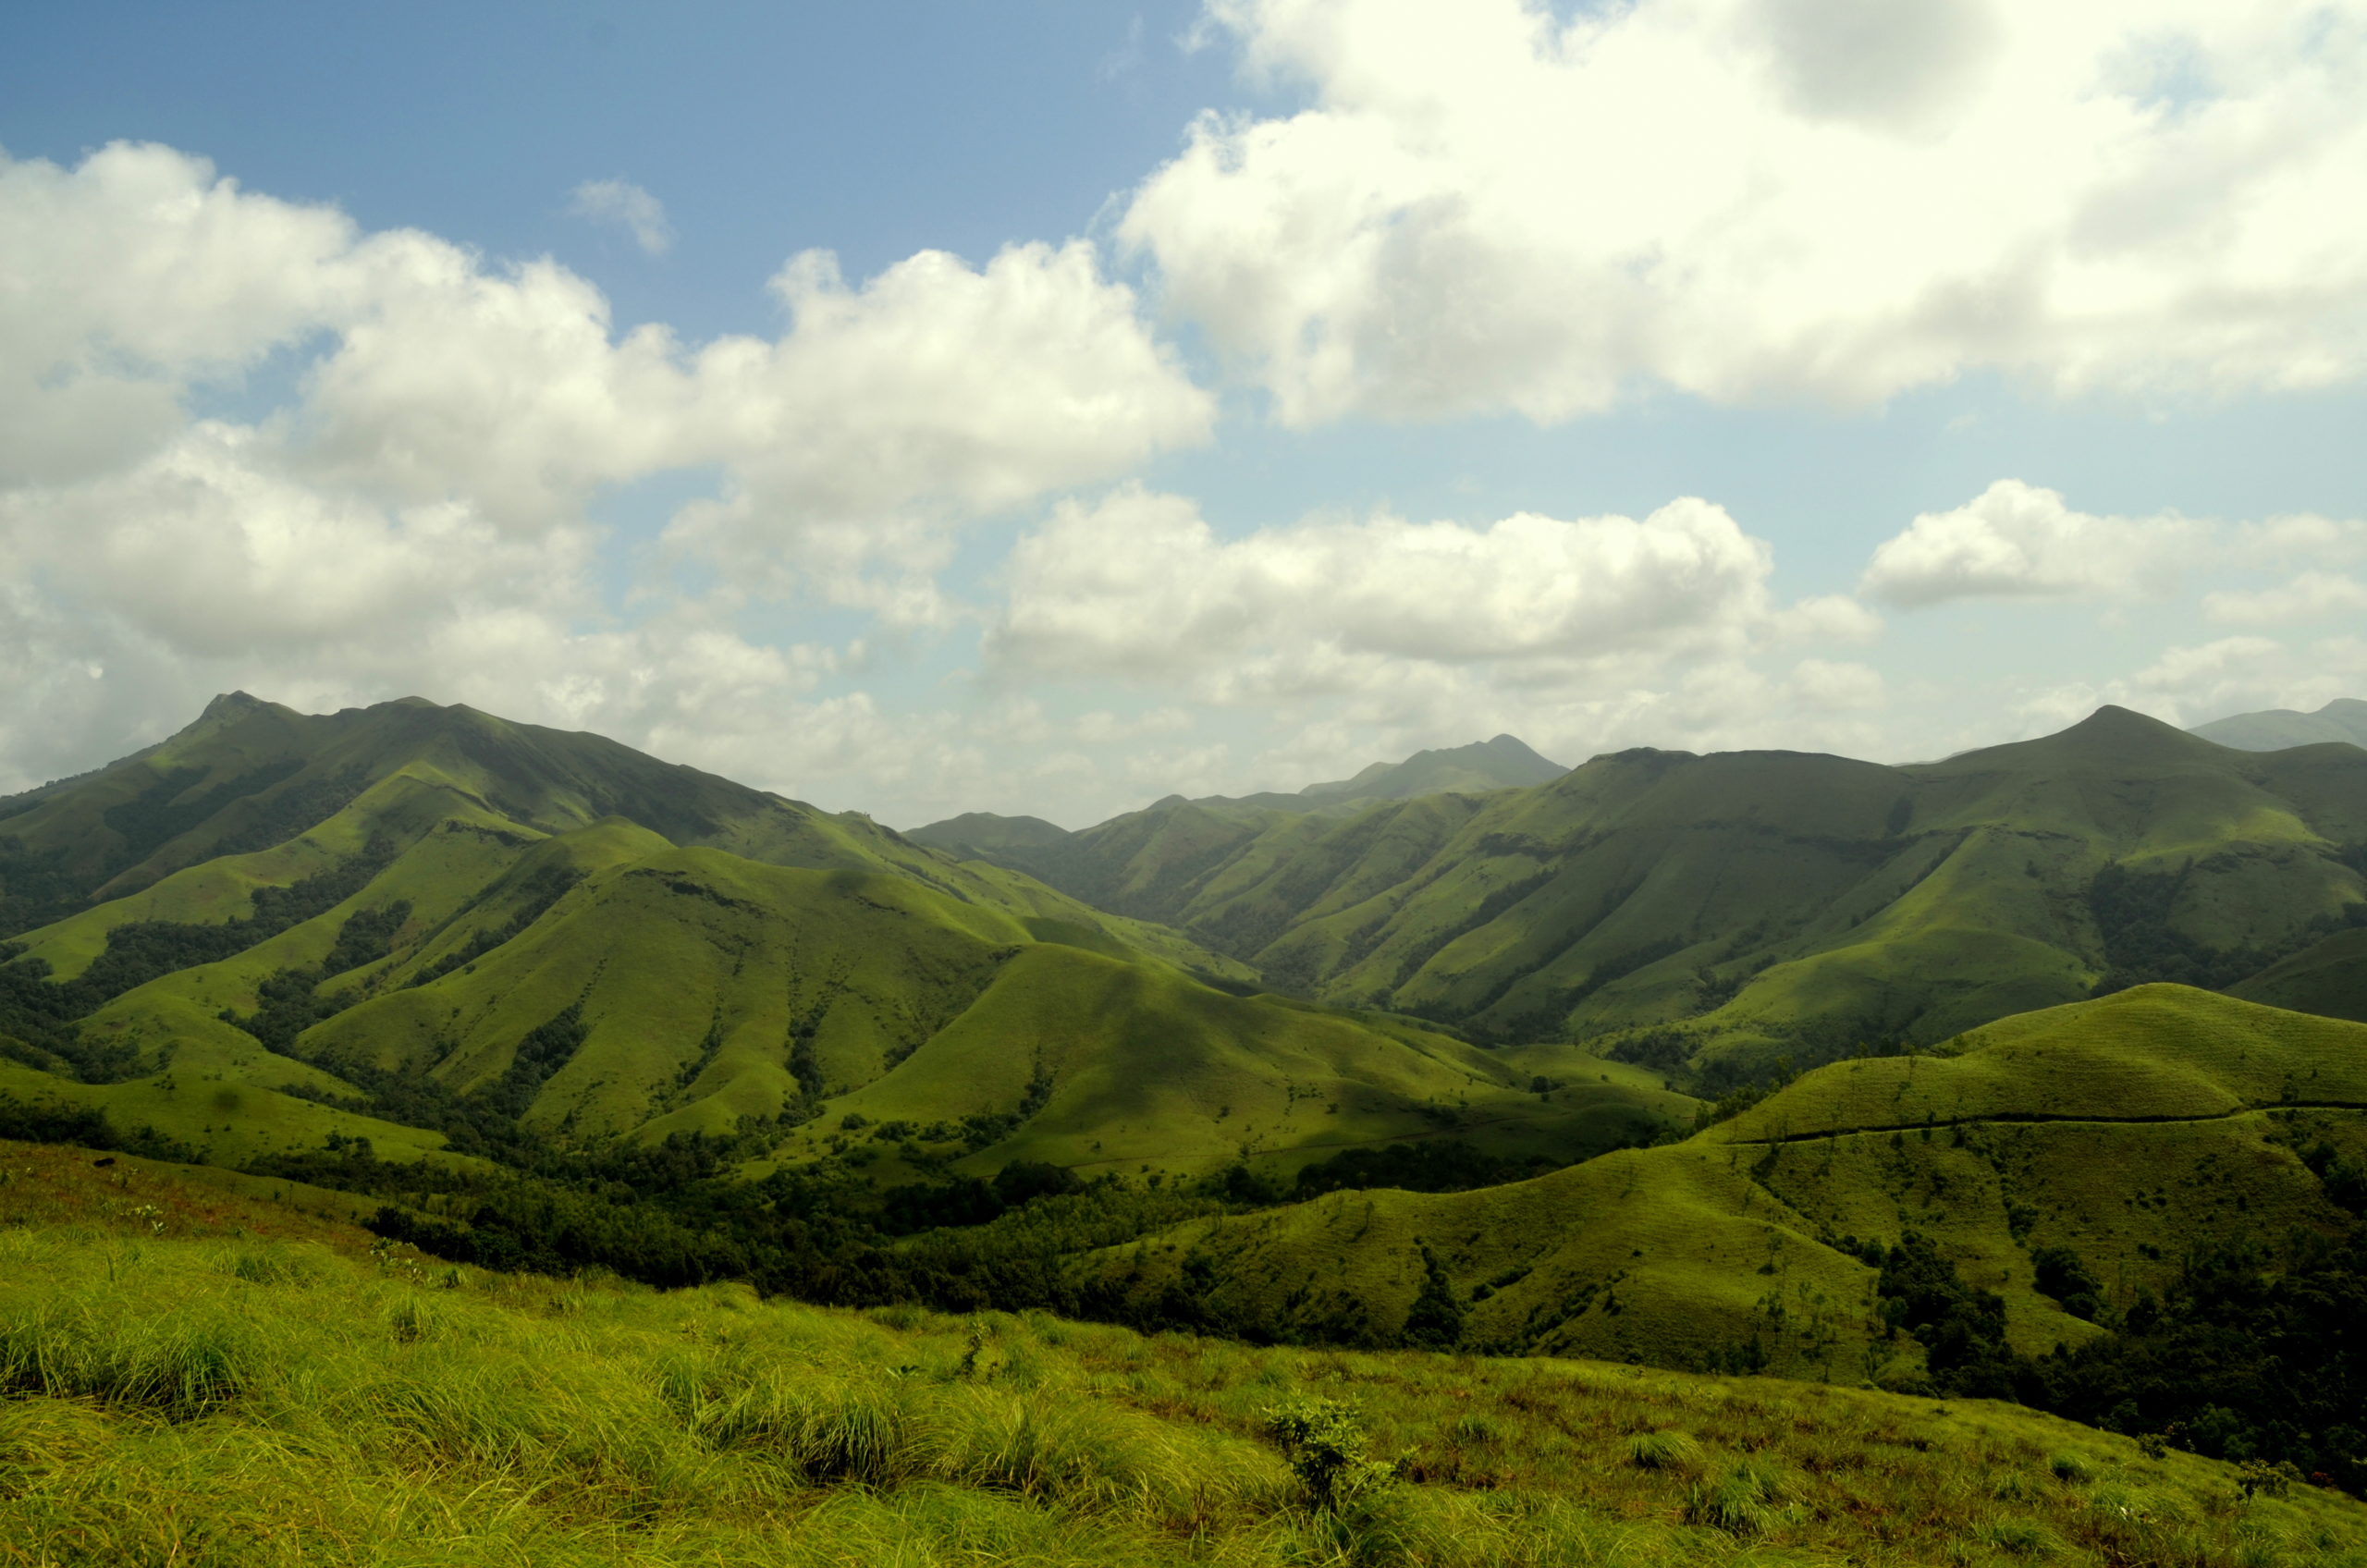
x=226 y=1402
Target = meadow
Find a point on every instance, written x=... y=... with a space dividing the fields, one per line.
x=191 y=1374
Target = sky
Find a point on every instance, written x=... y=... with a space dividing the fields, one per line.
x=1044 y=407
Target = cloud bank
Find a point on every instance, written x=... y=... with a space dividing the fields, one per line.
x=1485 y=209
x=413 y=515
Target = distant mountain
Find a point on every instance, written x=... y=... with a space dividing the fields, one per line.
x=1741 y=906
x=981 y=835
x=2275 y=729
x=1503 y=762
x=1029 y=842
x=450 y=934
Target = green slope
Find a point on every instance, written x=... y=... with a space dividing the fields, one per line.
x=2328 y=977
x=469 y=930
x=2129 y=1130
x=218 y=1378
x=1720 y=912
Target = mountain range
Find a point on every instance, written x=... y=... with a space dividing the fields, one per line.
x=1716 y=913
x=412 y=924
x=1666 y=1058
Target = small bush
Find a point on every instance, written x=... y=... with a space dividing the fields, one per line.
x=1326 y=1447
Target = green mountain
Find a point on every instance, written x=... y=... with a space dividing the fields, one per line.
x=442 y=931
x=2128 y=1132
x=1504 y=763
x=2344 y=720
x=1720 y=912
x=1031 y=844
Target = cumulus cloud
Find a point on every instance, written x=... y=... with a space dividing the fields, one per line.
x=1374 y=637
x=2017 y=539
x=934 y=391
x=412 y=516
x=2309 y=595
x=622 y=203
x=1138 y=581
x=1486 y=208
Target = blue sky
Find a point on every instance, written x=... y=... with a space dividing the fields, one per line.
x=1194 y=400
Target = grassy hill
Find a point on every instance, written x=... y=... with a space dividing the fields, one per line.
x=2328 y=977
x=1714 y=914
x=1036 y=846
x=212 y=1378
x=2128 y=1132
x=2344 y=720
x=470 y=930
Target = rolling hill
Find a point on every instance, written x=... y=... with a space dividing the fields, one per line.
x=1714 y=914
x=2127 y=1131
x=445 y=933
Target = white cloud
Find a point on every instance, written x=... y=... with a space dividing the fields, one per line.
x=2017 y=539
x=2309 y=595
x=1488 y=209
x=932 y=392
x=413 y=519
x=1138 y=581
x=1370 y=639
x=622 y=203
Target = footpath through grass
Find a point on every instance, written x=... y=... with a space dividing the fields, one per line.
x=178 y=1386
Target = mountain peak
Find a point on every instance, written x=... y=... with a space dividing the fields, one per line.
x=1506 y=761
x=230 y=705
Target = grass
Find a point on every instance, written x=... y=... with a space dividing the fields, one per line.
x=174 y=1396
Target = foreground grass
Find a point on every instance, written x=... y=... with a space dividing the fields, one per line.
x=177 y=1386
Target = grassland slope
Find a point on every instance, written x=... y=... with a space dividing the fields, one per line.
x=2130 y=1130
x=187 y=1377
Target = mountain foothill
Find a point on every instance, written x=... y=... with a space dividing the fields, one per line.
x=1986 y=1077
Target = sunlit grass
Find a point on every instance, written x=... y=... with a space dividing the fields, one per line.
x=230 y=1399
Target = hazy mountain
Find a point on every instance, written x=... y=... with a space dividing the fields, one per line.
x=1031 y=844
x=1503 y=762
x=2275 y=729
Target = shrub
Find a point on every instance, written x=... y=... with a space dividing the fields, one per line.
x=1328 y=1448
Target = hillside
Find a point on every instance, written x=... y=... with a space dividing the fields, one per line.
x=1038 y=848
x=2131 y=1131
x=224 y=1382
x=453 y=936
x=2327 y=977
x=1714 y=914
x=2275 y=729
